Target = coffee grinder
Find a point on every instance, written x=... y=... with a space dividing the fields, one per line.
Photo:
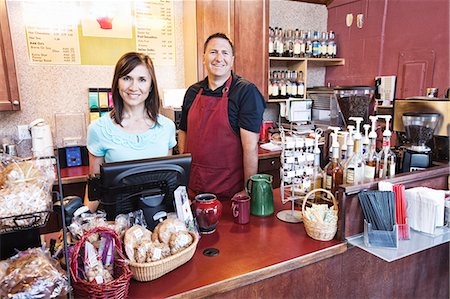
x=419 y=128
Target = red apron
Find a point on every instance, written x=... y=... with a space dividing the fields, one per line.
x=216 y=149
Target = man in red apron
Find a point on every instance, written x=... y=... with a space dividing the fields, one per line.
x=219 y=125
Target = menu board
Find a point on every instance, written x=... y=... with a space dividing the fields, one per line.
x=98 y=32
x=52 y=37
x=154 y=30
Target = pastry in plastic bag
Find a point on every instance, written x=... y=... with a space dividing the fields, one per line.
x=179 y=241
x=159 y=251
x=134 y=236
x=168 y=227
x=33 y=274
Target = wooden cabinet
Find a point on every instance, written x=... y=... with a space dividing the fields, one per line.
x=246 y=23
x=9 y=89
x=271 y=165
x=301 y=64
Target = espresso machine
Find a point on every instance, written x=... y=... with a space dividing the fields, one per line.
x=421 y=125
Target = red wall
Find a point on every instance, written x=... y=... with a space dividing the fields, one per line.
x=405 y=38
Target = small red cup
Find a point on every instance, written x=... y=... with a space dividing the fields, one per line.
x=240 y=208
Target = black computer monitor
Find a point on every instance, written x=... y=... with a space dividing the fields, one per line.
x=142 y=184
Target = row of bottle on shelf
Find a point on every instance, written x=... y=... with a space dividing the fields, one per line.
x=100 y=102
x=353 y=160
x=285 y=84
x=301 y=43
x=357 y=159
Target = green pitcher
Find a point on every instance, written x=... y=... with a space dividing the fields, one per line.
x=261 y=203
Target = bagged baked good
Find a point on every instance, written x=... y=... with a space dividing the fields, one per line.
x=133 y=236
x=25 y=188
x=180 y=240
x=158 y=252
x=93 y=266
x=33 y=274
x=168 y=227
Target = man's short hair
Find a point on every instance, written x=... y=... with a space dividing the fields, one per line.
x=218 y=35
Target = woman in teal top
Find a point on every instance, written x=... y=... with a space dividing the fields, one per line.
x=134 y=129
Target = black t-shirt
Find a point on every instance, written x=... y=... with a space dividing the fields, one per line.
x=245 y=103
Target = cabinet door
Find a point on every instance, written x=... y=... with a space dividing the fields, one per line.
x=246 y=23
x=9 y=90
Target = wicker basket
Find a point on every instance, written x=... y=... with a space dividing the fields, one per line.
x=118 y=288
x=153 y=270
x=316 y=230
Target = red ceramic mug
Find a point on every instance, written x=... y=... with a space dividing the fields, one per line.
x=240 y=208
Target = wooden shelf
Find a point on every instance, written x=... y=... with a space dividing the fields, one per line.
x=320 y=61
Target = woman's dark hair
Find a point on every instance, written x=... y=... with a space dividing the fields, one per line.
x=124 y=66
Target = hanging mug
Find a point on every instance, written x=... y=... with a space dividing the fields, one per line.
x=259 y=187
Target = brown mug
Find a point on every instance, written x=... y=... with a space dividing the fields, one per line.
x=240 y=208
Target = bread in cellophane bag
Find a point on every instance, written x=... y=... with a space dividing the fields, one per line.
x=25 y=190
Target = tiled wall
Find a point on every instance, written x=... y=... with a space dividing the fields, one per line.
x=46 y=89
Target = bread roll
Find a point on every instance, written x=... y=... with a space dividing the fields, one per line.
x=179 y=241
x=168 y=227
x=134 y=235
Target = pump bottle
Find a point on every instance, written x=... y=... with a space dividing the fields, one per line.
x=354 y=168
x=333 y=170
x=365 y=140
x=371 y=159
x=387 y=161
x=350 y=143
x=318 y=175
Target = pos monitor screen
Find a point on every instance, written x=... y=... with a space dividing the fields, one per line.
x=142 y=184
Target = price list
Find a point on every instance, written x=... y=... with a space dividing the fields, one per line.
x=51 y=42
x=53 y=45
x=154 y=30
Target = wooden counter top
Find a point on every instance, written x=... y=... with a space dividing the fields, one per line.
x=248 y=253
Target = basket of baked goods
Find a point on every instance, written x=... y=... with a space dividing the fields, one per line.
x=153 y=254
x=25 y=192
x=97 y=265
x=320 y=219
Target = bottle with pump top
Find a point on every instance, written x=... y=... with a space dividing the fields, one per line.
x=336 y=130
x=333 y=170
x=350 y=142
x=344 y=147
x=365 y=140
x=318 y=175
x=387 y=160
x=371 y=159
x=354 y=167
